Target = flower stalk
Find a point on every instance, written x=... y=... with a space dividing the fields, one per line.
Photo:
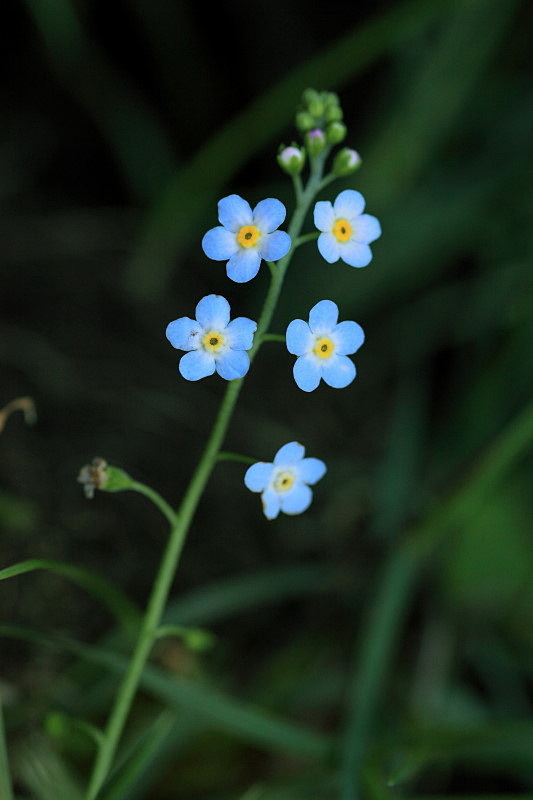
x=182 y=518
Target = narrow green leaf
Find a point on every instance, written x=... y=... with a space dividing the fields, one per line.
x=107 y=593
x=499 y=745
x=132 y=777
x=207 y=703
x=6 y=791
x=43 y=770
x=243 y=593
x=399 y=576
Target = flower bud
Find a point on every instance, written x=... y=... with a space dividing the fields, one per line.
x=333 y=114
x=331 y=99
x=310 y=96
x=99 y=475
x=291 y=159
x=304 y=121
x=316 y=108
x=335 y=132
x=315 y=141
x=346 y=161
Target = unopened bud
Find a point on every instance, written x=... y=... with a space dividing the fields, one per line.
x=335 y=132
x=346 y=161
x=291 y=159
x=310 y=96
x=331 y=99
x=315 y=141
x=304 y=121
x=333 y=114
x=316 y=108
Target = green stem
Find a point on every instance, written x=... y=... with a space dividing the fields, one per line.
x=156 y=499
x=273 y=337
x=180 y=522
x=308 y=237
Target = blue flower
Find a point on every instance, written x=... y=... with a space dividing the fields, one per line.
x=322 y=347
x=346 y=231
x=246 y=236
x=284 y=484
x=212 y=342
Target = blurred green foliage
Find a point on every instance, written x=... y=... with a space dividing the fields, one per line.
x=123 y=124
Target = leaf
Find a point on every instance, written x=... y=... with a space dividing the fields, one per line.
x=207 y=703
x=112 y=598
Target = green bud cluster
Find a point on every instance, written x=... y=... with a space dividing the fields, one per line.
x=320 y=111
x=319 y=120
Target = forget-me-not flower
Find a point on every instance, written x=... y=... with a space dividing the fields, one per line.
x=346 y=231
x=284 y=483
x=212 y=342
x=323 y=346
x=246 y=236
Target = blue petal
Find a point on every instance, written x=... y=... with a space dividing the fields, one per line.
x=232 y=364
x=234 y=212
x=323 y=316
x=338 y=371
x=244 y=265
x=355 y=254
x=196 y=365
x=240 y=333
x=311 y=470
x=349 y=204
x=298 y=337
x=349 y=336
x=323 y=215
x=328 y=247
x=297 y=500
x=290 y=453
x=273 y=246
x=270 y=501
x=269 y=214
x=257 y=477
x=219 y=244
x=213 y=311
x=306 y=373
x=183 y=333
x=367 y=229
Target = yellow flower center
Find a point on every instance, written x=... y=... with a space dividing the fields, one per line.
x=284 y=481
x=213 y=341
x=324 y=347
x=248 y=236
x=342 y=230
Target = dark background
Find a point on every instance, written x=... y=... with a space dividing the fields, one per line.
x=122 y=124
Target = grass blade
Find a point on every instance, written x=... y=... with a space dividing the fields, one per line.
x=6 y=790
x=206 y=703
x=112 y=598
